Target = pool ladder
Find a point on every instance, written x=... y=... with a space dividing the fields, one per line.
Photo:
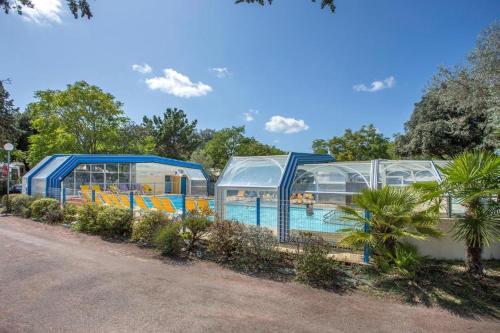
x=331 y=217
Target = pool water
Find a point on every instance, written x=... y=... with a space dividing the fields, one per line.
x=247 y=214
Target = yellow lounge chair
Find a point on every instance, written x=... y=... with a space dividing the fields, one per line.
x=191 y=205
x=156 y=203
x=85 y=188
x=168 y=205
x=107 y=199
x=139 y=200
x=204 y=205
x=125 y=199
x=113 y=188
x=117 y=202
x=96 y=188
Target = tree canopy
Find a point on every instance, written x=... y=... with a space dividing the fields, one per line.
x=80 y=119
x=460 y=109
x=77 y=7
x=174 y=135
x=8 y=115
x=364 y=144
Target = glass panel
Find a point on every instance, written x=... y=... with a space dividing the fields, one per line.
x=405 y=173
x=264 y=171
x=112 y=178
x=97 y=178
x=97 y=167
x=124 y=167
x=112 y=167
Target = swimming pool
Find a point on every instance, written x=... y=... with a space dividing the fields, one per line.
x=247 y=214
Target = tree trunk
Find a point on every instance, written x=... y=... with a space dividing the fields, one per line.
x=473 y=260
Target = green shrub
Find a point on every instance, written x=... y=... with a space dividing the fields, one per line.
x=314 y=267
x=196 y=227
x=223 y=239
x=20 y=204
x=257 y=249
x=47 y=210
x=70 y=212
x=87 y=218
x=169 y=240
x=145 y=229
x=114 y=222
x=407 y=261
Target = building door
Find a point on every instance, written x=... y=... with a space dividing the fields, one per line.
x=183 y=185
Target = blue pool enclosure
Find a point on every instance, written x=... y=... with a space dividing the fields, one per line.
x=150 y=174
x=300 y=192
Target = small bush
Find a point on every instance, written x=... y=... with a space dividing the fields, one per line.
x=47 y=210
x=197 y=226
x=223 y=240
x=145 y=229
x=314 y=267
x=114 y=222
x=70 y=213
x=169 y=240
x=20 y=204
x=407 y=261
x=87 y=218
x=257 y=250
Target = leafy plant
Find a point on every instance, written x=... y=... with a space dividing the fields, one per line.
x=114 y=222
x=47 y=210
x=313 y=265
x=20 y=204
x=145 y=228
x=169 y=240
x=395 y=214
x=257 y=249
x=223 y=240
x=197 y=226
x=70 y=212
x=407 y=261
x=87 y=218
x=473 y=178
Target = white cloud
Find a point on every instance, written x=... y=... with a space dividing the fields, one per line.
x=143 y=69
x=220 y=72
x=177 y=84
x=43 y=12
x=279 y=124
x=376 y=85
x=250 y=115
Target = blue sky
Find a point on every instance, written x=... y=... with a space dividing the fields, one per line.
x=290 y=72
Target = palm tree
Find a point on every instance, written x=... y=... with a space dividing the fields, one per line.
x=472 y=178
x=394 y=213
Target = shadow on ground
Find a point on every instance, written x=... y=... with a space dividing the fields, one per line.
x=446 y=285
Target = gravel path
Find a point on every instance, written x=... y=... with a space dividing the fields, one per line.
x=56 y=280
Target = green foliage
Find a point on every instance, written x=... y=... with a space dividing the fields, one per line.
x=330 y=4
x=196 y=226
x=145 y=229
x=114 y=222
x=47 y=210
x=76 y=7
x=223 y=240
x=20 y=205
x=473 y=178
x=257 y=249
x=232 y=141
x=249 y=248
x=406 y=260
x=70 y=212
x=395 y=214
x=174 y=135
x=80 y=119
x=169 y=240
x=87 y=218
x=361 y=145
x=8 y=114
x=313 y=265
x=460 y=109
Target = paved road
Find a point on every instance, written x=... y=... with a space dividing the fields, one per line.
x=55 y=280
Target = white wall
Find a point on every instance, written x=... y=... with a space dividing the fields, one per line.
x=448 y=248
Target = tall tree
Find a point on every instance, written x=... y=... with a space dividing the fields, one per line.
x=364 y=144
x=134 y=139
x=80 y=119
x=9 y=132
x=76 y=7
x=460 y=109
x=232 y=141
x=174 y=135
